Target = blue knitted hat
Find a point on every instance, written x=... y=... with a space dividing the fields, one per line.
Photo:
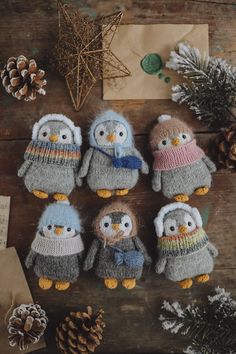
x=111 y=115
x=60 y=213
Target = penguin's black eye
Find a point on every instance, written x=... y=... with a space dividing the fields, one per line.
x=68 y=229
x=189 y=223
x=172 y=228
x=164 y=142
x=45 y=134
x=101 y=132
x=64 y=136
x=106 y=224
x=121 y=134
x=184 y=136
x=126 y=224
x=49 y=227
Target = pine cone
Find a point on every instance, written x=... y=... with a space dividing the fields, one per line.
x=26 y=325
x=80 y=332
x=226 y=143
x=22 y=79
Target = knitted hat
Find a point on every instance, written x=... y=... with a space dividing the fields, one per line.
x=107 y=116
x=158 y=221
x=115 y=207
x=167 y=127
x=60 y=118
x=60 y=213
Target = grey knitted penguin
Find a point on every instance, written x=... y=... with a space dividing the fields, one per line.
x=57 y=248
x=52 y=157
x=117 y=253
x=112 y=162
x=180 y=167
x=183 y=246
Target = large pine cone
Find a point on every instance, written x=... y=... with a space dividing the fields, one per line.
x=80 y=332
x=226 y=143
x=26 y=325
x=22 y=79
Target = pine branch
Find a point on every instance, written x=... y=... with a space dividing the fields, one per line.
x=209 y=88
x=211 y=328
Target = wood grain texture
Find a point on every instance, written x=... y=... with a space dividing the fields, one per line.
x=30 y=28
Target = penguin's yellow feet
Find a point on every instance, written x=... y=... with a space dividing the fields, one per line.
x=129 y=283
x=111 y=283
x=122 y=192
x=60 y=197
x=104 y=193
x=62 y=285
x=186 y=283
x=181 y=198
x=40 y=194
x=201 y=191
x=45 y=283
x=203 y=278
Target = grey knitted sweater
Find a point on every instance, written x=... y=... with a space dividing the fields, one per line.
x=62 y=268
x=103 y=259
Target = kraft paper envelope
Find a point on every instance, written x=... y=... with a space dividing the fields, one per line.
x=14 y=288
x=132 y=42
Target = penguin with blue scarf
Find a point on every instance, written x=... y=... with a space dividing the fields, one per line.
x=112 y=163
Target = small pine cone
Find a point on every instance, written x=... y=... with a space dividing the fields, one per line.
x=80 y=332
x=26 y=325
x=226 y=146
x=22 y=79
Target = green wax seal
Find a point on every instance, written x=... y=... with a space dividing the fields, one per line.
x=151 y=63
x=167 y=79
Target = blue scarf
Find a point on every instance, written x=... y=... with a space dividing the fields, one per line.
x=133 y=259
x=130 y=162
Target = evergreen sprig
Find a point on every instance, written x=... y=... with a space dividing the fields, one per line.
x=209 y=88
x=211 y=327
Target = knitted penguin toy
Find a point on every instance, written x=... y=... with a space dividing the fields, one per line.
x=57 y=248
x=52 y=157
x=112 y=163
x=183 y=246
x=180 y=166
x=117 y=253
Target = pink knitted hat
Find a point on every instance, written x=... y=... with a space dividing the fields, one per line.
x=167 y=127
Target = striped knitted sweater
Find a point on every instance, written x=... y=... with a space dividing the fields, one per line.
x=184 y=244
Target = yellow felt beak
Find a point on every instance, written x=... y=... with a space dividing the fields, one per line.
x=116 y=227
x=111 y=138
x=175 y=141
x=53 y=138
x=58 y=230
x=183 y=229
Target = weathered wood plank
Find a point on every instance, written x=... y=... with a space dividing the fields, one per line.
x=30 y=28
x=18 y=117
x=132 y=324
x=37 y=38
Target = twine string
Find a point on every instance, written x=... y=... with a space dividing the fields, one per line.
x=6 y=317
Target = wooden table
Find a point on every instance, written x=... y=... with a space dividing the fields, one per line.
x=30 y=28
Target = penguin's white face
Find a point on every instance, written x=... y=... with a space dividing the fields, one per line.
x=174 y=141
x=178 y=222
x=55 y=132
x=115 y=223
x=110 y=133
x=58 y=231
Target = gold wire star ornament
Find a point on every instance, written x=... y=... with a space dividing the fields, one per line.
x=83 y=53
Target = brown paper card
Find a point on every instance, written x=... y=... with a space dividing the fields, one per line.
x=132 y=42
x=13 y=287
